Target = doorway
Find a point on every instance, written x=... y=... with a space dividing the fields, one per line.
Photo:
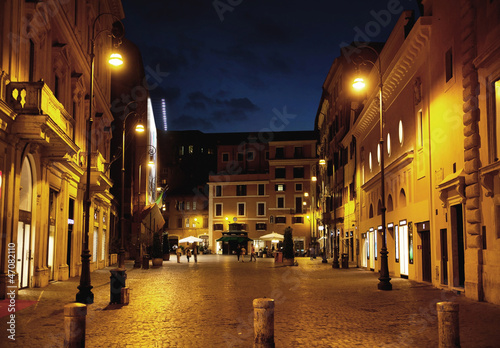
x=24 y=231
x=426 y=256
x=458 y=247
x=444 y=256
x=403 y=250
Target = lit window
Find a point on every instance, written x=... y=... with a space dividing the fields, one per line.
x=389 y=144
x=280 y=187
x=187 y=222
x=370 y=161
x=191 y=149
x=378 y=154
x=401 y=132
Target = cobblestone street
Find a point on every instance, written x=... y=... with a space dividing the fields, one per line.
x=209 y=304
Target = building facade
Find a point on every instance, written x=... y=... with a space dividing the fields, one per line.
x=439 y=77
x=264 y=187
x=44 y=106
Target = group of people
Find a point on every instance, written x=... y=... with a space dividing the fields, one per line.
x=189 y=253
x=241 y=252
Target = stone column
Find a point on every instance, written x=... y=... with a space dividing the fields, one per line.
x=472 y=163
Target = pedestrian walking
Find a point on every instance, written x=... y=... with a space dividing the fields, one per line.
x=178 y=252
x=188 y=253
x=252 y=254
x=195 y=252
x=243 y=252
x=238 y=252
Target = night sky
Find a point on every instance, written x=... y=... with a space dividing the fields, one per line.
x=248 y=65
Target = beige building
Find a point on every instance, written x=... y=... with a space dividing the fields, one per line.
x=44 y=105
x=440 y=145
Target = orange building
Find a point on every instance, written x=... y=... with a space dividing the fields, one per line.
x=264 y=187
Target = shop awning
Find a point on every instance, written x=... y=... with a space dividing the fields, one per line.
x=152 y=218
x=238 y=239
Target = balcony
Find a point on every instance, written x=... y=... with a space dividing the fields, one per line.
x=41 y=118
x=100 y=183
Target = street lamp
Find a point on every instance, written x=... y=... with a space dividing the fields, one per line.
x=384 y=279
x=85 y=294
x=139 y=128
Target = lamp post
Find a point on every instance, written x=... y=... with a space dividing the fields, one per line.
x=85 y=294
x=384 y=279
x=121 y=253
x=322 y=230
x=335 y=263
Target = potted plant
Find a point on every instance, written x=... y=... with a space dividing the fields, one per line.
x=156 y=250
x=166 y=248
x=288 y=254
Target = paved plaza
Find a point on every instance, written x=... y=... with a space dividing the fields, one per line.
x=209 y=304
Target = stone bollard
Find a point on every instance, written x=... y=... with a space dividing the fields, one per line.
x=74 y=325
x=263 y=322
x=448 y=328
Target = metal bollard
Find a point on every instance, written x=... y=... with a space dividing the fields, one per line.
x=263 y=322
x=448 y=328
x=74 y=325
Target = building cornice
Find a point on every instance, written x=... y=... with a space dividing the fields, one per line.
x=396 y=74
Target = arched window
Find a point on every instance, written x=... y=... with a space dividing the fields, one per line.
x=379 y=207
x=402 y=198
x=390 y=204
x=370 y=214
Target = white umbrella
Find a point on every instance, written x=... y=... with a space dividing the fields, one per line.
x=190 y=239
x=272 y=236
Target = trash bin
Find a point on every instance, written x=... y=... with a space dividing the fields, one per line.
x=345 y=260
x=278 y=257
x=116 y=283
x=145 y=261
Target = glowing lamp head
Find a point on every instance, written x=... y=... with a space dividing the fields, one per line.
x=115 y=59
x=139 y=128
x=359 y=83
